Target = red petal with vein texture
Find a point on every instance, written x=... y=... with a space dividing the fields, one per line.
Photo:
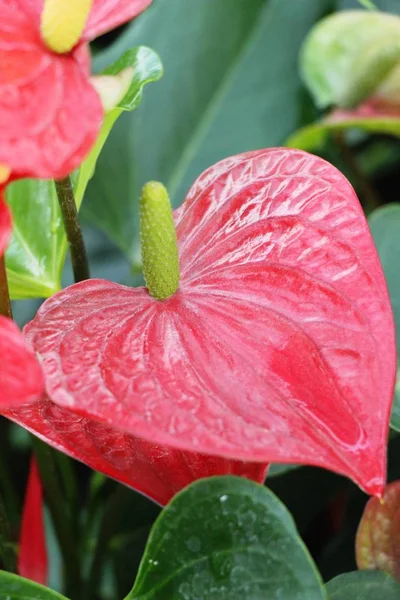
x=108 y=14
x=21 y=379
x=156 y=471
x=279 y=345
x=5 y=225
x=32 y=557
x=50 y=114
x=105 y=14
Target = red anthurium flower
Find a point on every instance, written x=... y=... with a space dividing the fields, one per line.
x=21 y=378
x=32 y=557
x=5 y=225
x=373 y=108
x=50 y=114
x=278 y=345
x=153 y=469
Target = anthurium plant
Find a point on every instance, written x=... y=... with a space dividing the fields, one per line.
x=199 y=393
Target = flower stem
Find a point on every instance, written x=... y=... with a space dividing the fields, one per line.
x=370 y=197
x=73 y=230
x=7 y=550
x=61 y=517
x=5 y=304
x=107 y=528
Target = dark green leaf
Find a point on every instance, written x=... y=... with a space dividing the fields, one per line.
x=363 y=585
x=36 y=255
x=13 y=587
x=231 y=85
x=226 y=538
x=385 y=226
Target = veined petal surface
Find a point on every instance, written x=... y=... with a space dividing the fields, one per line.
x=108 y=14
x=21 y=378
x=105 y=14
x=157 y=471
x=278 y=346
x=50 y=114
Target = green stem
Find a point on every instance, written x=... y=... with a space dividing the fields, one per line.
x=7 y=550
x=370 y=197
x=5 y=304
x=61 y=517
x=66 y=199
x=107 y=527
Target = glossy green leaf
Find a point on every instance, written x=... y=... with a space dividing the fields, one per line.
x=363 y=585
x=13 y=587
x=314 y=136
x=352 y=55
x=226 y=538
x=385 y=227
x=231 y=85
x=36 y=255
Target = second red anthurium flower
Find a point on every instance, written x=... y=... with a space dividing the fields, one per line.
x=50 y=113
x=21 y=379
x=275 y=345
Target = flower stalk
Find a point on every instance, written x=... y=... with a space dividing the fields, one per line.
x=60 y=515
x=66 y=199
x=7 y=550
x=5 y=304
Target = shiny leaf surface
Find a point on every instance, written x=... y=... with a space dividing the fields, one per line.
x=378 y=535
x=363 y=585
x=279 y=345
x=226 y=538
x=32 y=556
x=13 y=587
x=36 y=255
x=231 y=99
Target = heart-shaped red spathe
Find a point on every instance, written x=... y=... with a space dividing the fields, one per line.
x=50 y=113
x=278 y=346
x=21 y=378
x=154 y=470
